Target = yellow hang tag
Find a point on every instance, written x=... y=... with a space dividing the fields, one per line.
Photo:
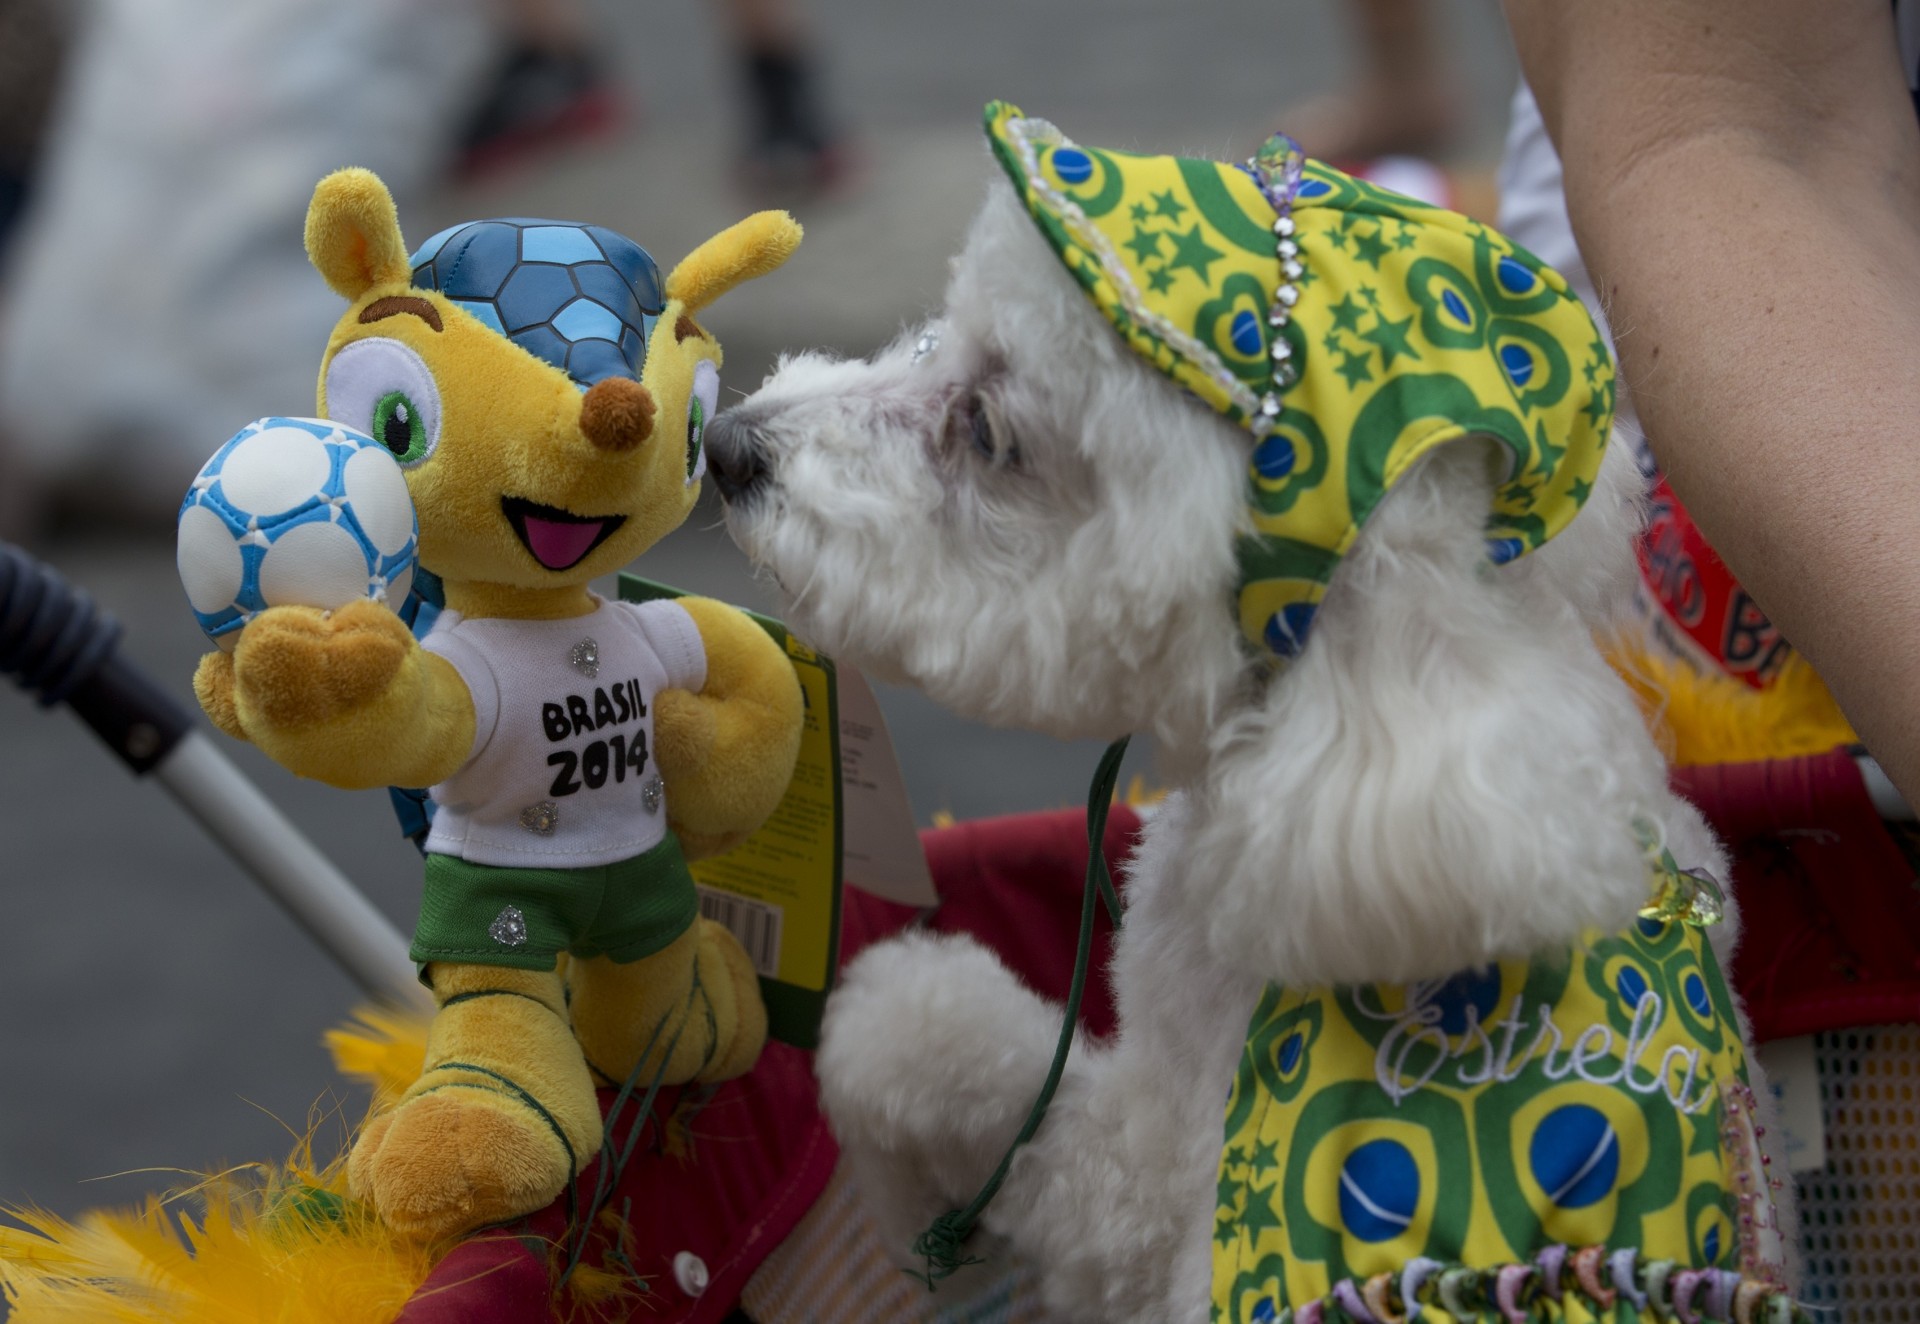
x=778 y=892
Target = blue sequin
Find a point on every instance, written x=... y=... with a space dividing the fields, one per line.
x=1073 y=165
x=1477 y=991
x=1454 y=304
x=1246 y=333
x=1712 y=1244
x=1274 y=457
x=1286 y=632
x=1652 y=928
x=1502 y=550
x=1514 y=276
x=1694 y=989
x=1518 y=363
x=1290 y=1049
x=1575 y=1155
x=1379 y=1190
x=1631 y=985
x=1313 y=188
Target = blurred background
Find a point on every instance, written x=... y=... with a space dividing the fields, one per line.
x=156 y=157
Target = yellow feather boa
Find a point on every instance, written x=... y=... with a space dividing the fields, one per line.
x=264 y=1244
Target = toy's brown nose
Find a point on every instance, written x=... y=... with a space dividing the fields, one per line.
x=617 y=414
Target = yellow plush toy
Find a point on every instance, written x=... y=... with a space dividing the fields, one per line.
x=546 y=399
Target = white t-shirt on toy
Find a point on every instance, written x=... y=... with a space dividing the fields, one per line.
x=562 y=774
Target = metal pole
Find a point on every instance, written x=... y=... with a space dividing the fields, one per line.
x=58 y=646
x=291 y=868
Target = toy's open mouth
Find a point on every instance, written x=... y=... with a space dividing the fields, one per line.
x=558 y=539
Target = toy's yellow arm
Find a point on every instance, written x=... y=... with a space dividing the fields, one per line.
x=348 y=698
x=727 y=752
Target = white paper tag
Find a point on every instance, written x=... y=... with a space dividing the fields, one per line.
x=879 y=847
x=1793 y=1074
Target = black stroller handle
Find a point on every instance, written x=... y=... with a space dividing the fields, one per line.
x=60 y=647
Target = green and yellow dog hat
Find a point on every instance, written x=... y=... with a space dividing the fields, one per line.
x=1350 y=330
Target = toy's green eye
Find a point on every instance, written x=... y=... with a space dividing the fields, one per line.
x=696 y=435
x=398 y=425
x=385 y=388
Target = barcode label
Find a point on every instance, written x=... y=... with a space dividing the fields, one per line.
x=755 y=923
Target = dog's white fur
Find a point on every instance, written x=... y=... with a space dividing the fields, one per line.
x=1449 y=774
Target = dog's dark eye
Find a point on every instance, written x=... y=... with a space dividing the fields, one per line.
x=980 y=432
x=981 y=428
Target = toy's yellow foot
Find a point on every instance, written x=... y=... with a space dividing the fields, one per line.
x=724 y=965
x=690 y=1012
x=502 y=1117
x=443 y=1164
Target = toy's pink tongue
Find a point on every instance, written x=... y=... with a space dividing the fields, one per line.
x=556 y=545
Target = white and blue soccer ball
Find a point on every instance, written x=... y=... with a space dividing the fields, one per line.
x=294 y=512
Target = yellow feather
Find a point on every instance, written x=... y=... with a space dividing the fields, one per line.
x=383 y=1047
x=269 y=1245
x=1700 y=717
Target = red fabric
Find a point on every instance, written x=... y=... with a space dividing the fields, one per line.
x=1830 y=913
x=1015 y=884
x=762 y=1152
x=760 y=1156
x=1699 y=597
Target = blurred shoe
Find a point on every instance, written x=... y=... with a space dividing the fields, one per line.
x=792 y=152
x=538 y=99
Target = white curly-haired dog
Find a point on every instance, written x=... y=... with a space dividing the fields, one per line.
x=1013 y=511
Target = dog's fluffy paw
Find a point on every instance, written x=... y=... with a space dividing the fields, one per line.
x=930 y=1056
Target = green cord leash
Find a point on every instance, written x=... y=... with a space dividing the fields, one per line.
x=943 y=1244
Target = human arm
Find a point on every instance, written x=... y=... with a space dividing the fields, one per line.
x=1744 y=181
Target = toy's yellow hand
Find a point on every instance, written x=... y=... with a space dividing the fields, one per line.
x=350 y=698
x=213 y=686
x=727 y=752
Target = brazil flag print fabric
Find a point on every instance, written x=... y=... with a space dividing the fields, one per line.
x=1597 y=1100
x=1413 y=326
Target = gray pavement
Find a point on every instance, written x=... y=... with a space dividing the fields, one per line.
x=155 y=1008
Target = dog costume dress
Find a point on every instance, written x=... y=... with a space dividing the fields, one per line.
x=1566 y=1137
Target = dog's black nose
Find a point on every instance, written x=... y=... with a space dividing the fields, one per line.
x=734 y=457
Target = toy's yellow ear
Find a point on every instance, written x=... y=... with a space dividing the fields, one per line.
x=353 y=233
x=738 y=253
